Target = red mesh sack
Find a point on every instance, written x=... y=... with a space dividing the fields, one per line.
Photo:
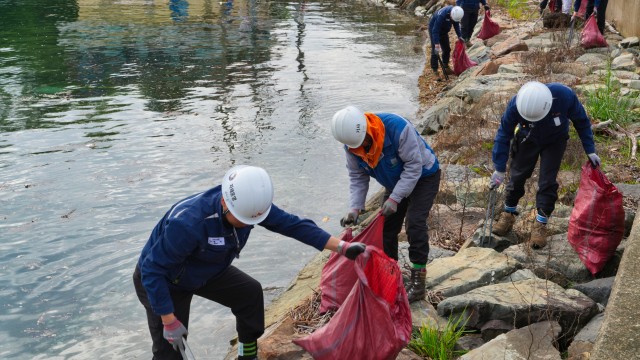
x=596 y=225
x=338 y=274
x=461 y=61
x=374 y=322
x=489 y=27
x=591 y=36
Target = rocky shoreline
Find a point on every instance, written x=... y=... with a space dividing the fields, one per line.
x=520 y=303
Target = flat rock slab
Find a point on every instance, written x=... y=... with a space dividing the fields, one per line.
x=521 y=303
x=469 y=269
x=533 y=342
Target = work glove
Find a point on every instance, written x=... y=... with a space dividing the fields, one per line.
x=389 y=207
x=351 y=250
x=595 y=10
x=497 y=178
x=174 y=333
x=438 y=49
x=487 y=8
x=595 y=160
x=351 y=218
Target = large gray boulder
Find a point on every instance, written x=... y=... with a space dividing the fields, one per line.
x=533 y=342
x=598 y=290
x=472 y=89
x=521 y=303
x=584 y=340
x=436 y=117
x=469 y=269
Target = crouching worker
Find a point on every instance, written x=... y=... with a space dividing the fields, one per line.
x=388 y=148
x=439 y=27
x=191 y=249
x=539 y=116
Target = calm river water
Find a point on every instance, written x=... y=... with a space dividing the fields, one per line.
x=113 y=110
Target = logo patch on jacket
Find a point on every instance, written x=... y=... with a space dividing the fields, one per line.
x=216 y=241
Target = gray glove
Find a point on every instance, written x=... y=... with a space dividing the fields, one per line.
x=351 y=250
x=497 y=178
x=351 y=218
x=174 y=333
x=595 y=160
x=389 y=207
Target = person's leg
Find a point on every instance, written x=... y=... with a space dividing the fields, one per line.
x=420 y=203
x=446 y=48
x=566 y=7
x=434 y=57
x=161 y=348
x=523 y=162
x=589 y=8
x=471 y=23
x=392 y=226
x=602 y=12
x=243 y=294
x=550 y=159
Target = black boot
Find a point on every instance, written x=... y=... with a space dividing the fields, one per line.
x=416 y=288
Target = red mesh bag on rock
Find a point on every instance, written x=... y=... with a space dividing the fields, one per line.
x=489 y=27
x=591 y=36
x=338 y=274
x=461 y=61
x=596 y=225
x=374 y=322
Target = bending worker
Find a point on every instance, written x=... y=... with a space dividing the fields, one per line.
x=388 y=148
x=439 y=27
x=598 y=7
x=470 y=17
x=539 y=115
x=191 y=249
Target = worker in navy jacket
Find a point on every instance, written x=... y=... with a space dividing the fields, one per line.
x=439 y=27
x=470 y=18
x=539 y=116
x=191 y=249
x=388 y=148
x=599 y=7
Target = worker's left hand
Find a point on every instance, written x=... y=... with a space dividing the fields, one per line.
x=351 y=250
x=389 y=207
x=174 y=332
x=595 y=10
x=595 y=159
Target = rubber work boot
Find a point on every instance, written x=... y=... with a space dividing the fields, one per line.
x=504 y=224
x=416 y=289
x=538 y=235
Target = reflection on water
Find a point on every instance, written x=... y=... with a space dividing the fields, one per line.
x=110 y=111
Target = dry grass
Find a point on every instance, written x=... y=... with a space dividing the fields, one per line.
x=306 y=316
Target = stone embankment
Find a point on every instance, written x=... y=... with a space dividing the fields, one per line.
x=519 y=303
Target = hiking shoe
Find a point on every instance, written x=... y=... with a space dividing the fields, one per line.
x=436 y=74
x=448 y=71
x=504 y=224
x=468 y=44
x=538 y=235
x=416 y=289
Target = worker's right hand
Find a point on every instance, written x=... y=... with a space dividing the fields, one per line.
x=351 y=250
x=497 y=178
x=351 y=218
x=574 y=16
x=174 y=332
x=438 y=49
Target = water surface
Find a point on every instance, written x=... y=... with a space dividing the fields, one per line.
x=111 y=111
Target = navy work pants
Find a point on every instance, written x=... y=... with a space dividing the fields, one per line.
x=446 y=51
x=602 y=9
x=233 y=289
x=416 y=208
x=468 y=23
x=524 y=156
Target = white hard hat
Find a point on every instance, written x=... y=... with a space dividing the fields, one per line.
x=534 y=101
x=349 y=126
x=457 y=13
x=248 y=193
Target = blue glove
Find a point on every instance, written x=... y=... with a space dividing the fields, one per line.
x=389 y=207
x=497 y=178
x=595 y=160
x=174 y=333
x=350 y=218
x=351 y=250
